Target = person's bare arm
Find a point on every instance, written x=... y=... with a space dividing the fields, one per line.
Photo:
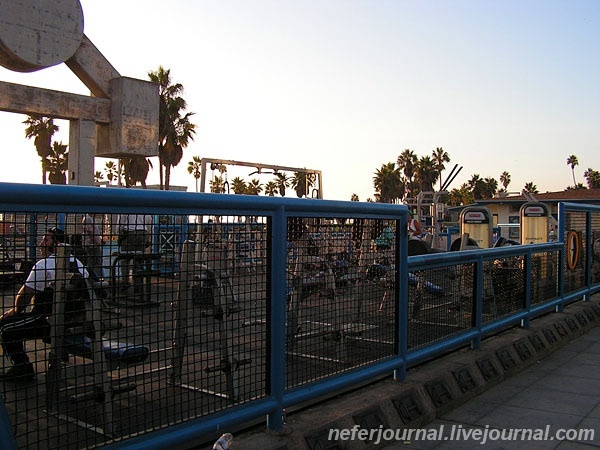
x=22 y=300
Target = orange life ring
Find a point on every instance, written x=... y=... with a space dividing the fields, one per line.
x=573 y=249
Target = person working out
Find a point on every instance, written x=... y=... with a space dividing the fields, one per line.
x=386 y=238
x=414 y=228
x=18 y=325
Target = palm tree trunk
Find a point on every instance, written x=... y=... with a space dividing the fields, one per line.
x=44 y=171
x=160 y=171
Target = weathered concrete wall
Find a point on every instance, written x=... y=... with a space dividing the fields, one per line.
x=120 y=120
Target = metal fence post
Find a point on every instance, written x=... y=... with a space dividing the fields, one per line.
x=402 y=294
x=276 y=311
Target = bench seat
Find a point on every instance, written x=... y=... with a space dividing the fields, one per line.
x=119 y=354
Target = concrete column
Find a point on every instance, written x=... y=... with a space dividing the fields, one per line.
x=82 y=146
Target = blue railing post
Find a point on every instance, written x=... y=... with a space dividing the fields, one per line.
x=402 y=295
x=588 y=255
x=7 y=437
x=527 y=303
x=277 y=316
x=561 y=262
x=476 y=341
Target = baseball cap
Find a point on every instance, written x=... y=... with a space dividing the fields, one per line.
x=57 y=233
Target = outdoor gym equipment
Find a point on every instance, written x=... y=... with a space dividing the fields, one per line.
x=85 y=339
x=215 y=273
x=333 y=281
x=264 y=169
x=477 y=222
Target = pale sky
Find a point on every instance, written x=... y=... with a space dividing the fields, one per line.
x=344 y=86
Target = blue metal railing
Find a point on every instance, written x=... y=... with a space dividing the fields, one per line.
x=277 y=211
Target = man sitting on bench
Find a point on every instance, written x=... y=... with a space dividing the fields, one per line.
x=17 y=325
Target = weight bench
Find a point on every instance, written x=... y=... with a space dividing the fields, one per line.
x=78 y=332
x=117 y=354
x=413 y=281
x=142 y=273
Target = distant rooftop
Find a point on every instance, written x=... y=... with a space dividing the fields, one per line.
x=570 y=195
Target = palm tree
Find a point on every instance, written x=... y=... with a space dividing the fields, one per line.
x=505 y=179
x=530 y=188
x=477 y=187
x=490 y=187
x=174 y=127
x=195 y=169
x=254 y=187
x=388 y=184
x=135 y=170
x=454 y=197
x=41 y=129
x=572 y=161
x=406 y=163
x=302 y=182
x=58 y=163
x=238 y=185
x=461 y=196
x=217 y=185
x=426 y=174
x=271 y=188
x=112 y=171
x=593 y=178
x=439 y=158
x=98 y=177
x=283 y=181
x=354 y=198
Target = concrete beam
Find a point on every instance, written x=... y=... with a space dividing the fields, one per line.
x=61 y=105
x=92 y=68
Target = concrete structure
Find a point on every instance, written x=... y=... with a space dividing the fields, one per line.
x=119 y=119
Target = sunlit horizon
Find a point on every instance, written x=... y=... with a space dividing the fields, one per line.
x=345 y=86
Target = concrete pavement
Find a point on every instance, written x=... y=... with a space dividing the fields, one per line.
x=560 y=392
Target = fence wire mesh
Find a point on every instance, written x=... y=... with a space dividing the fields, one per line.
x=544 y=277
x=141 y=339
x=575 y=229
x=340 y=296
x=440 y=303
x=503 y=287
